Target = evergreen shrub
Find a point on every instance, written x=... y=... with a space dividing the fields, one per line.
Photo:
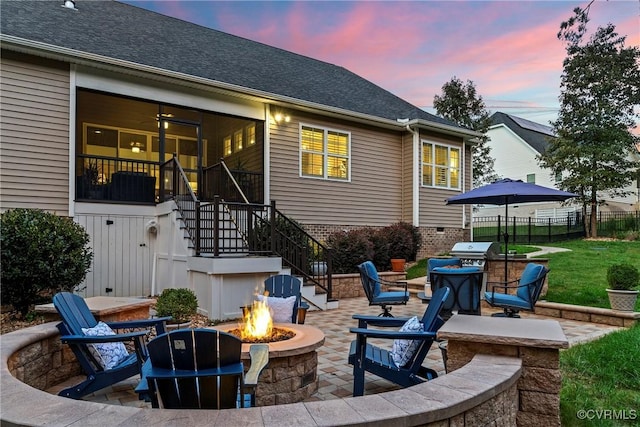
x=41 y=254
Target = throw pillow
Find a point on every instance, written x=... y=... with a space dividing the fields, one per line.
x=108 y=354
x=403 y=350
x=281 y=308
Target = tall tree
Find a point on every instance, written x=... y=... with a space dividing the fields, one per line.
x=600 y=87
x=461 y=104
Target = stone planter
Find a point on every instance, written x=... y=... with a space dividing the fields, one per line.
x=622 y=300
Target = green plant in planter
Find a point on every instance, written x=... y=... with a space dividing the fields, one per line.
x=179 y=303
x=623 y=277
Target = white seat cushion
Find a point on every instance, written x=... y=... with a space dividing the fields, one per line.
x=110 y=354
x=281 y=308
x=403 y=350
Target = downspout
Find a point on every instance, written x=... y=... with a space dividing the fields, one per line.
x=72 y=140
x=266 y=153
x=464 y=207
x=415 y=186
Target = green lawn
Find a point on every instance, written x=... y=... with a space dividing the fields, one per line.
x=602 y=375
x=579 y=277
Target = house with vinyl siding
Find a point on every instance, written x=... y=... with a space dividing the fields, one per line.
x=515 y=145
x=130 y=121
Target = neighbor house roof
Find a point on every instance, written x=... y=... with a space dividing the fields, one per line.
x=100 y=30
x=535 y=134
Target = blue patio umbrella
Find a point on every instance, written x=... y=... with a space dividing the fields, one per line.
x=506 y=191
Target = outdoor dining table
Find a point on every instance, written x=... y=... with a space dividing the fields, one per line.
x=466 y=289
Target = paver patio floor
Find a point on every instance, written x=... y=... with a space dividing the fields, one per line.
x=335 y=375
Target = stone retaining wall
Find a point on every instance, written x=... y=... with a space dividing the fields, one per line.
x=44 y=362
x=535 y=342
x=603 y=316
x=350 y=286
x=478 y=394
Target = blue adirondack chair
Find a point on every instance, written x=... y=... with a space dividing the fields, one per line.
x=200 y=369
x=284 y=286
x=527 y=291
x=379 y=361
x=372 y=285
x=76 y=315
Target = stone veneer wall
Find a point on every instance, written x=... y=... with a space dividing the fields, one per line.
x=536 y=343
x=540 y=383
x=434 y=242
x=350 y=286
x=487 y=396
x=288 y=379
x=44 y=363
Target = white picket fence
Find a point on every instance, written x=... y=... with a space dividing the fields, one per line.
x=557 y=215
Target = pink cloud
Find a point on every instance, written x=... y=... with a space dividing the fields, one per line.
x=509 y=49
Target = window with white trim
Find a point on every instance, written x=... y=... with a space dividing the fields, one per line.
x=558 y=176
x=441 y=166
x=226 y=143
x=531 y=178
x=237 y=141
x=324 y=153
x=250 y=134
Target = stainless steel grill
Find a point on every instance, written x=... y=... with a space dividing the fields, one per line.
x=475 y=254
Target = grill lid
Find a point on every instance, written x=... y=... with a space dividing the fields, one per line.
x=489 y=250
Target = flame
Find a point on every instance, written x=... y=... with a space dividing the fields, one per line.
x=257 y=321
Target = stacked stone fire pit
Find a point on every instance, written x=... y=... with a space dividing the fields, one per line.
x=292 y=373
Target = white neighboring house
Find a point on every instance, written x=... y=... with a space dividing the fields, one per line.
x=515 y=143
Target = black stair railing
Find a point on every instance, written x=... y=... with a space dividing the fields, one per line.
x=219 y=226
x=232 y=185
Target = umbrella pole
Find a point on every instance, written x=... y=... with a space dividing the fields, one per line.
x=506 y=241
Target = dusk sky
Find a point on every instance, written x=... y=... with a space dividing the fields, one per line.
x=508 y=49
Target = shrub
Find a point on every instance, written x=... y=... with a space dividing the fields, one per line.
x=416 y=238
x=350 y=248
x=179 y=303
x=42 y=254
x=623 y=277
x=402 y=241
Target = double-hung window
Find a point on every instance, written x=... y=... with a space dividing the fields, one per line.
x=441 y=166
x=324 y=153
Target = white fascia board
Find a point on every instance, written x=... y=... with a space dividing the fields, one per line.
x=516 y=136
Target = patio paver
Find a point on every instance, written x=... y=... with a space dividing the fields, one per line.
x=335 y=375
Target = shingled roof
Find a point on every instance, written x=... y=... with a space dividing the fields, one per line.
x=128 y=33
x=534 y=134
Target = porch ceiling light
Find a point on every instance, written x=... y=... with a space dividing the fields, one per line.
x=164 y=115
x=137 y=147
x=280 y=117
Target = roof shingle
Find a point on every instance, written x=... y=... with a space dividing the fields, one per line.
x=129 y=33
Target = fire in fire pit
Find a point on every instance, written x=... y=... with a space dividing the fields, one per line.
x=257 y=326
